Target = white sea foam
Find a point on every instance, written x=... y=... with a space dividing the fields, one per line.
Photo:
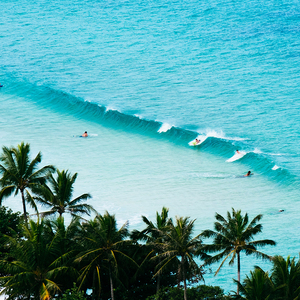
x=221 y=135
x=110 y=108
x=215 y=134
x=164 y=127
x=257 y=151
x=237 y=156
x=138 y=116
x=203 y=137
x=237 y=139
x=275 y=168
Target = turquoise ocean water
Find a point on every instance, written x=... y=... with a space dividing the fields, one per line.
x=145 y=78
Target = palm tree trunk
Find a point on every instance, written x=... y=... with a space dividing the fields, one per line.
x=183 y=278
x=111 y=285
x=239 y=271
x=24 y=206
x=158 y=284
x=96 y=287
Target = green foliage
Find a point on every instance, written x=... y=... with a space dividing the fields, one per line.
x=104 y=254
x=286 y=277
x=20 y=174
x=42 y=260
x=39 y=264
x=73 y=294
x=10 y=225
x=9 y=221
x=201 y=292
x=139 y=284
x=256 y=286
x=283 y=283
x=233 y=236
x=155 y=236
x=181 y=248
x=57 y=195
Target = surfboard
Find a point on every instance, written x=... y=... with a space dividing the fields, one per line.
x=200 y=139
x=194 y=143
x=237 y=156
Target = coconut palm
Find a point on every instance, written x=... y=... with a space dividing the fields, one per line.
x=37 y=267
x=257 y=286
x=103 y=244
x=58 y=195
x=153 y=230
x=232 y=236
x=181 y=248
x=154 y=235
x=286 y=277
x=19 y=174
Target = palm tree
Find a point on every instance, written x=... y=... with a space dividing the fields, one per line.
x=153 y=231
x=286 y=277
x=257 y=286
x=154 y=234
x=232 y=236
x=104 y=243
x=179 y=243
x=19 y=174
x=37 y=268
x=58 y=195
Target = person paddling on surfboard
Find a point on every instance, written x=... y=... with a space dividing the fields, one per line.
x=85 y=134
x=248 y=174
x=197 y=141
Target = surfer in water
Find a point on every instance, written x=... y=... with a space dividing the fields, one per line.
x=238 y=152
x=85 y=134
x=248 y=174
x=197 y=141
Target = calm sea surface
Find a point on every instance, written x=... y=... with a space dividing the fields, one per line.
x=145 y=78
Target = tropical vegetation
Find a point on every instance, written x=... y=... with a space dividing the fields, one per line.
x=42 y=257
x=155 y=236
x=36 y=269
x=181 y=248
x=283 y=282
x=20 y=174
x=233 y=236
x=105 y=248
x=57 y=195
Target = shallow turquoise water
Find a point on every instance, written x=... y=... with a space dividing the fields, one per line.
x=124 y=71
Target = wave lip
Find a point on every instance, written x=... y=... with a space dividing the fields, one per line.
x=213 y=134
x=236 y=156
x=221 y=135
x=164 y=128
x=110 y=108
